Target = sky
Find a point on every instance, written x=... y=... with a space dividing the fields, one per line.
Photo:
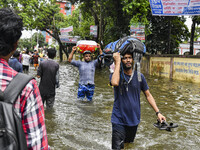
x=188 y=22
x=27 y=33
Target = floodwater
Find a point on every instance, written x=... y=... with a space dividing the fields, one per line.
x=74 y=125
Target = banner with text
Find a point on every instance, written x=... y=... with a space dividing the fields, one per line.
x=65 y=31
x=93 y=31
x=138 y=31
x=175 y=7
x=69 y=39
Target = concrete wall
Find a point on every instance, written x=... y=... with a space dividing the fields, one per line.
x=175 y=67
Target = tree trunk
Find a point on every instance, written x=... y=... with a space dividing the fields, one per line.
x=192 y=36
x=96 y=21
x=169 y=37
x=60 y=54
x=61 y=47
x=100 y=26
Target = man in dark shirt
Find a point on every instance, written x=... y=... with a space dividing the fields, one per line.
x=48 y=71
x=126 y=108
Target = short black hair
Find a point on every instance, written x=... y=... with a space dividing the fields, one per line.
x=16 y=54
x=27 y=51
x=128 y=49
x=86 y=52
x=128 y=52
x=51 y=52
x=11 y=27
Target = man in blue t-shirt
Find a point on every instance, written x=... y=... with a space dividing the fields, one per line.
x=14 y=62
x=86 y=73
x=126 y=109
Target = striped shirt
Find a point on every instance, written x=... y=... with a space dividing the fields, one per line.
x=86 y=71
x=29 y=108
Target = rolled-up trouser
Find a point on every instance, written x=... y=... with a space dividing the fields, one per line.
x=86 y=90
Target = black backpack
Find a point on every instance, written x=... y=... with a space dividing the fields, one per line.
x=12 y=135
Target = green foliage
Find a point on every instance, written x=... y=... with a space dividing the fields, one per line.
x=166 y=32
x=197 y=34
x=30 y=43
x=139 y=10
x=108 y=15
x=81 y=26
x=36 y=14
x=25 y=44
x=41 y=39
x=113 y=18
x=8 y=3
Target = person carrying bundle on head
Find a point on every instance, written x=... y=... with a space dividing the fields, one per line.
x=86 y=72
x=128 y=82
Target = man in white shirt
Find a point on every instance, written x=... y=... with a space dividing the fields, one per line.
x=26 y=61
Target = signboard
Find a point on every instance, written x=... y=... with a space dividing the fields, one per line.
x=186 y=69
x=175 y=7
x=93 y=31
x=65 y=31
x=138 y=31
x=69 y=39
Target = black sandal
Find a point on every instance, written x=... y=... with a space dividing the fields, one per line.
x=165 y=126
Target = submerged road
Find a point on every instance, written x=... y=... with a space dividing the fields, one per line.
x=74 y=125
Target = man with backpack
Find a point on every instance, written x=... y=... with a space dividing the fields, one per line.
x=128 y=83
x=27 y=103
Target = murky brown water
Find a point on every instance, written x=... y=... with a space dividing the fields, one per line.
x=73 y=125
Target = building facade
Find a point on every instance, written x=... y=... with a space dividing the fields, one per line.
x=66 y=8
x=185 y=48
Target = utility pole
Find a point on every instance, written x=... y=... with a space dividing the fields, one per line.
x=37 y=39
x=31 y=40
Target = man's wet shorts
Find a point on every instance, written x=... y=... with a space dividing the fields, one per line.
x=86 y=90
x=36 y=65
x=122 y=134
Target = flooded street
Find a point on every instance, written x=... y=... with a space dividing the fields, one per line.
x=74 y=125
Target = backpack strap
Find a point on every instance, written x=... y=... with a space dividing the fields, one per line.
x=15 y=87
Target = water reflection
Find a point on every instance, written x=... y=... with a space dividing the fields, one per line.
x=78 y=125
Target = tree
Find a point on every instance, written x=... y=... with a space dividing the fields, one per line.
x=38 y=38
x=25 y=44
x=138 y=9
x=112 y=17
x=195 y=21
x=96 y=9
x=162 y=33
x=81 y=25
x=197 y=33
x=166 y=33
x=30 y=43
x=109 y=17
x=40 y=15
x=46 y=17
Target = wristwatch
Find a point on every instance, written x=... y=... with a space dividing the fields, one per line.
x=158 y=113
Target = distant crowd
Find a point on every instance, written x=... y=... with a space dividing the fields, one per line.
x=21 y=60
x=23 y=103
